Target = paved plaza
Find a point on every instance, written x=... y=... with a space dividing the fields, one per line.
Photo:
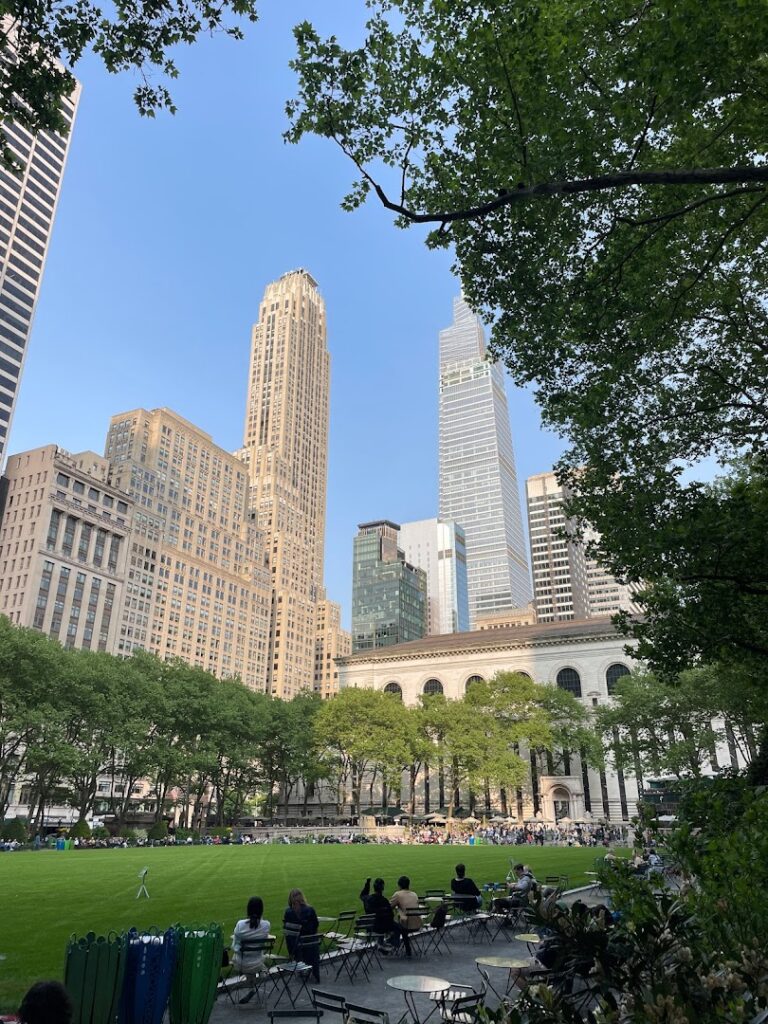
x=457 y=965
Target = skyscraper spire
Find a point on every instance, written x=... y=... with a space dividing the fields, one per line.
x=478 y=481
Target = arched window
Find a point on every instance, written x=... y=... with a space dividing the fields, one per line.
x=613 y=675
x=394 y=688
x=471 y=682
x=526 y=675
x=433 y=686
x=570 y=680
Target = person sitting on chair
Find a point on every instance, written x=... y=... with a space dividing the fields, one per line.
x=252 y=927
x=47 y=1002
x=468 y=896
x=298 y=912
x=402 y=901
x=376 y=903
x=519 y=890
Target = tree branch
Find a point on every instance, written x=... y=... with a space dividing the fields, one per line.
x=601 y=183
x=682 y=210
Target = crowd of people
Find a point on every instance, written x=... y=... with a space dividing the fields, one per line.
x=394 y=918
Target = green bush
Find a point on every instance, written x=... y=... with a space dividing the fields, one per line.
x=14 y=829
x=159 y=830
x=80 y=830
x=100 y=832
x=183 y=834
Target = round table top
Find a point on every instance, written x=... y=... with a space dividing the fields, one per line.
x=595 y=873
x=326 y=918
x=433 y=899
x=418 y=983
x=528 y=937
x=510 y=962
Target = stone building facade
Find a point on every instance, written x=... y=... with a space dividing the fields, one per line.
x=583 y=657
x=64 y=541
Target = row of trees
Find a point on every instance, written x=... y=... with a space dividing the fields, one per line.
x=70 y=719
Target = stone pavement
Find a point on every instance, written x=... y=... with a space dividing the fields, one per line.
x=457 y=966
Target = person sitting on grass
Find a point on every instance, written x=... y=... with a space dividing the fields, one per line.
x=47 y=1002
x=402 y=901
x=376 y=903
x=468 y=896
x=299 y=912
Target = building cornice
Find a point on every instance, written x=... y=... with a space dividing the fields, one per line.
x=489 y=648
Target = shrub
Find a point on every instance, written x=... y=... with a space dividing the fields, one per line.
x=80 y=830
x=14 y=829
x=159 y=830
x=100 y=832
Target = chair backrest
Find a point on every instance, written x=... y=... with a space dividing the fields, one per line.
x=466 y=1008
x=357 y=1014
x=330 y=1001
x=256 y=946
x=416 y=915
x=439 y=916
x=295 y=1014
x=436 y=892
x=345 y=922
x=365 y=922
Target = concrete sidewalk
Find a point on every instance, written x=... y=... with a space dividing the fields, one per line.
x=456 y=966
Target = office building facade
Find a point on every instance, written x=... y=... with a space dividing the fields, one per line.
x=286 y=455
x=559 y=566
x=440 y=550
x=478 y=480
x=197 y=579
x=389 y=596
x=27 y=209
x=64 y=540
x=331 y=642
x=567 y=583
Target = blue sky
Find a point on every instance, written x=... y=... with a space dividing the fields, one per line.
x=168 y=231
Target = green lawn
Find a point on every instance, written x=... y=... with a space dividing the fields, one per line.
x=48 y=895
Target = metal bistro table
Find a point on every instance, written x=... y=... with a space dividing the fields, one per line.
x=413 y=984
x=532 y=940
x=513 y=965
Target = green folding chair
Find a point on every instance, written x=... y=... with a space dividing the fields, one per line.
x=196 y=978
x=94 y=969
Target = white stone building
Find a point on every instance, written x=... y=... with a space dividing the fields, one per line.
x=583 y=657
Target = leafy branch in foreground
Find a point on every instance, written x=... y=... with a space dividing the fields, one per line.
x=42 y=41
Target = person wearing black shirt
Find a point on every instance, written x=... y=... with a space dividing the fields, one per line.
x=465 y=891
x=376 y=903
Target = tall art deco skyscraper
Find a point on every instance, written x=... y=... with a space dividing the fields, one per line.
x=286 y=449
x=27 y=208
x=478 y=482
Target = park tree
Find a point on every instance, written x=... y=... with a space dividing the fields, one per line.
x=600 y=173
x=359 y=729
x=661 y=728
x=28 y=677
x=41 y=43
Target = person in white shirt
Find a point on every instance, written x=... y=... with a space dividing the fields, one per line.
x=254 y=926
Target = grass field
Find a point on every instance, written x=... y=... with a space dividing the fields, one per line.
x=48 y=895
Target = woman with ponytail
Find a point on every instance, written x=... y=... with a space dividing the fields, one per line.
x=252 y=927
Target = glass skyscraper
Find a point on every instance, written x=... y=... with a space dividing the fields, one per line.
x=478 y=482
x=389 y=596
x=27 y=208
x=440 y=550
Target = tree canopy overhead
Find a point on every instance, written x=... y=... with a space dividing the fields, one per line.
x=42 y=41
x=600 y=171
